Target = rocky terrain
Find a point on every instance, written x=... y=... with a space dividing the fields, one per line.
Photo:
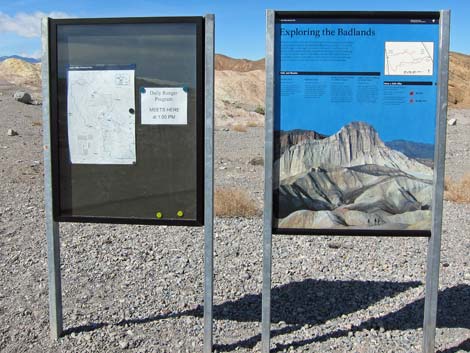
x=459 y=80
x=239 y=98
x=140 y=288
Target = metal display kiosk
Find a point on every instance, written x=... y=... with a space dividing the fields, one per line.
x=291 y=62
x=128 y=131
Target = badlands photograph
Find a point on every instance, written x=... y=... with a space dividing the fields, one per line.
x=352 y=179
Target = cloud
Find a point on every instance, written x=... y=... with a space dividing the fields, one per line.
x=26 y=24
x=35 y=54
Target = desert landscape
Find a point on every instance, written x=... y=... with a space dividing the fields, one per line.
x=140 y=288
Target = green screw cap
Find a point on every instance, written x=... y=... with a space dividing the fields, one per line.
x=158 y=215
x=180 y=213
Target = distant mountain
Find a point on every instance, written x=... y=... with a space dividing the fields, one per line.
x=28 y=60
x=412 y=149
x=357 y=143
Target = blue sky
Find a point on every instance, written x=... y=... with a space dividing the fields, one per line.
x=240 y=25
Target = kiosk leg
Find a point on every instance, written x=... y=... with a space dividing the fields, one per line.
x=434 y=246
x=266 y=295
x=432 y=290
x=268 y=185
x=52 y=228
x=54 y=280
x=209 y=185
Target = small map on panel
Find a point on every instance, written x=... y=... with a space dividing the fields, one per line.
x=100 y=116
x=409 y=58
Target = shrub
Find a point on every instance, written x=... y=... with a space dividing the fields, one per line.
x=457 y=191
x=239 y=128
x=233 y=202
x=259 y=110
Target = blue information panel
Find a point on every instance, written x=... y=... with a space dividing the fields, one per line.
x=355 y=112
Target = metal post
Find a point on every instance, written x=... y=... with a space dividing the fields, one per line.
x=52 y=228
x=434 y=245
x=209 y=184
x=268 y=184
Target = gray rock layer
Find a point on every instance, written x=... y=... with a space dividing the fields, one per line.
x=355 y=144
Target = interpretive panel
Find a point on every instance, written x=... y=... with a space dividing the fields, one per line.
x=127 y=120
x=355 y=112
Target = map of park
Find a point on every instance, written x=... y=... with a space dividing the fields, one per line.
x=409 y=58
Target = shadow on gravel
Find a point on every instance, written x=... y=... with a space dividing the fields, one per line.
x=84 y=328
x=463 y=346
x=310 y=302
x=315 y=302
x=453 y=312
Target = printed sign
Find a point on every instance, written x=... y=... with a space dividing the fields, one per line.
x=164 y=105
x=100 y=115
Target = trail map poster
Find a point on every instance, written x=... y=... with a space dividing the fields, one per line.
x=354 y=125
x=100 y=115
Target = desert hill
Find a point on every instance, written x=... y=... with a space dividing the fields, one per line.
x=223 y=62
x=239 y=91
x=21 y=73
x=459 y=80
x=239 y=97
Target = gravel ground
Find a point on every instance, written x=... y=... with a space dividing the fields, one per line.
x=140 y=288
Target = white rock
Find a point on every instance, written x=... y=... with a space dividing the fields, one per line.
x=452 y=122
x=123 y=344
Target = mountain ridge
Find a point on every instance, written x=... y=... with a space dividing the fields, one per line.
x=20 y=57
x=223 y=62
x=410 y=148
x=356 y=143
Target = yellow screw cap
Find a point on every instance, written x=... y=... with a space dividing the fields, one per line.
x=180 y=213
x=159 y=215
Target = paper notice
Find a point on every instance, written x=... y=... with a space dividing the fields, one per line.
x=164 y=106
